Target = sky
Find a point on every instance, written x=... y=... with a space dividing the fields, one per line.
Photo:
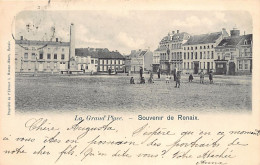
x=125 y=30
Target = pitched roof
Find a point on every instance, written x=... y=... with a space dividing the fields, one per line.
x=34 y=42
x=203 y=38
x=98 y=54
x=234 y=41
x=176 y=36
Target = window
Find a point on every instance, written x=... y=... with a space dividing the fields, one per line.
x=204 y=47
x=55 y=56
x=101 y=61
x=196 y=48
x=33 y=56
x=204 y=65
x=211 y=65
x=208 y=55
x=180 y=55
x=200 y=55
x=184 y=48
x=246 y=65
x=184 y=65
x=208 y=46
x=33 y=48
x=92 y=61
x=196 y=56
x=220 y=66
x=191 y=48
x=191 y=55
x=25 y=56
x=188 y=66
x=49 y=49
x=191 y=65
x=204 y=55
x=62 y=49
x=212 y=55
x=105 y=61
x=96 y=61
x=200 y=47
x=48 y=56
x=212 y=46
x=41 y=56
x=240 y=66
x=200 y=65
x=62 y=56
x=188 y=56
x=188 y=48
x=184 y=55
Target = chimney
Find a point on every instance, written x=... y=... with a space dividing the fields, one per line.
x=173 y=32
x=235 y=32
x=57 y=40
x=178 y=31
x=72 y=43
x=21 y=37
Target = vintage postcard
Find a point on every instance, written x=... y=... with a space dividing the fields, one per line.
x=130 y=82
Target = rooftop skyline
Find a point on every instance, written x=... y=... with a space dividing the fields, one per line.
x=125 y=30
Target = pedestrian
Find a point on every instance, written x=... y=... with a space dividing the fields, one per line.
x=175 y=74
x=109 y=71
x=190 y=78
x=141 y=72
x=210 y=77
x=202 y=76
x=178 y=79
x=159 y=73
x=132 y=81
x=167 y=79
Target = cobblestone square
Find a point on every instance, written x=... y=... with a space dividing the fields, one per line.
x=115 y=93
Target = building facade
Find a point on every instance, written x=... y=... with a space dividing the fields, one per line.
x=170 y=49
x=141 y=58
x=99 y=60
x=44 y=56
x=41 y=56
x=156 y=60
x=199 y=52
x=234 y=54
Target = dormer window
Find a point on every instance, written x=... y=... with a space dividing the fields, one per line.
x=245 y=42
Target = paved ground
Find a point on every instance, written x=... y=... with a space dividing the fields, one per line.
x=103 y=92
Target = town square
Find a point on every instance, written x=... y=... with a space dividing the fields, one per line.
x=112 y=64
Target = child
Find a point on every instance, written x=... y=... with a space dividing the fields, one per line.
x=151 y=78
x=167 y=79
x=142 y=80
x=190 y=78
x=178 y=79
x=132 y=81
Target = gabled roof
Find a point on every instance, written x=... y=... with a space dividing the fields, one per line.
x=41 y=43
x=234 y=41
x=98 y=54
x=203 y=38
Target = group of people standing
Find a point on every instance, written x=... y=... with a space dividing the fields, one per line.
x=202 y=75
x=176 y=76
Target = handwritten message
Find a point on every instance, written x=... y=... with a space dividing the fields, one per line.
x=85 y=139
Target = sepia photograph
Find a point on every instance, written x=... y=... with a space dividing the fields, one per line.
x=133 y=61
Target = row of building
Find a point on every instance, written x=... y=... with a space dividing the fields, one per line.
x=218 y=52
x=60 y=57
